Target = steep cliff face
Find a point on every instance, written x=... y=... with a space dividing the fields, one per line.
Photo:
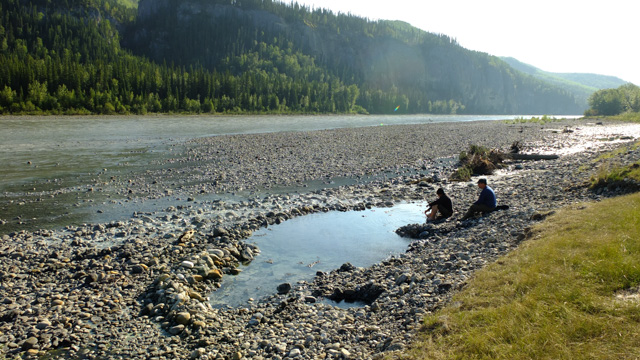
x=419 y=67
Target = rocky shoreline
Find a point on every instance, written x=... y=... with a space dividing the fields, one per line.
x=138 y=288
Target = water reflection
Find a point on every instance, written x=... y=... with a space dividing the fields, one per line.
x=296 y=249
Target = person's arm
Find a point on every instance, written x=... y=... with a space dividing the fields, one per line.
x=481 y=198
x=485 y=198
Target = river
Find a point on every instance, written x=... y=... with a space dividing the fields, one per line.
x=49 y=163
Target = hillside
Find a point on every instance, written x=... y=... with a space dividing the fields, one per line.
x=580 y=84
x=250 y=56
x=391 y=63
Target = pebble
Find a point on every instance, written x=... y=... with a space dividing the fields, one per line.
x=83 y=290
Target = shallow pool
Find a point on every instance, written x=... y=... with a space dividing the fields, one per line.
x=296 y=249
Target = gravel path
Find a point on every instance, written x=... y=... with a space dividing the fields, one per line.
x=137 y=288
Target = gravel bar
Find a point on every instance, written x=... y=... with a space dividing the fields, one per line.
x=138 y=287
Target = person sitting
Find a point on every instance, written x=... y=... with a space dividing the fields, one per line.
x=442 y=205
x=486 y=202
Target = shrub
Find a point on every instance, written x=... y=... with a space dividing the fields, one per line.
x=478 y=160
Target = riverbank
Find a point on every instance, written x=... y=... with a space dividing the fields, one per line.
x=138 y=288
x=569 y=292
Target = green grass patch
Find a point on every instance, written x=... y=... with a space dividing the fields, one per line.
x=626 y=117
x=629 y=116
x=536 y=120
x=569 y=292
x=617 y=152
x=611 y=171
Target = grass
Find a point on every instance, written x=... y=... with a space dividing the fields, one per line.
x=627 y=117
x=537 y=120
x=563 y=294
x=611 y=172
x=617 y=152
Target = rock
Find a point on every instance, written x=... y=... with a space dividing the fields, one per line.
x=402 y=279
x=199 y=324
x=91 y=278
x=30 y=343
x=214 y=274
x=43 y=324
x=183 y=318
x=395 y=346
x=347 y=267
x=541 y=215
x=138 y=269
x=246 y=254
x=196 y=279
x=197 y=353
x=219 y=231
x=196 y=295
x=187 y=264
x=187 y=236
x=217 y=252
x=284 y=288
x=256 y=319
x=175 y=330
x=294 y=352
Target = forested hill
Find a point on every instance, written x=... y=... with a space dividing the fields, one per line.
x=237 y=56
x=580 y=84
x=391 y=63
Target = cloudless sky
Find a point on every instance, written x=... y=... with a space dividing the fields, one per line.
x=588 y=36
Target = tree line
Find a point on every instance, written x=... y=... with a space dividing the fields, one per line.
x=241 y=56
x=71 y=62
x=609 y=102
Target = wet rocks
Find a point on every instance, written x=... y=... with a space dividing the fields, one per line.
x=284 y=288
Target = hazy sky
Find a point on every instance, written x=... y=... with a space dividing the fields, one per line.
x=559 y=36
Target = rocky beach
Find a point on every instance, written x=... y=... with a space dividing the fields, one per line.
x=138 y=287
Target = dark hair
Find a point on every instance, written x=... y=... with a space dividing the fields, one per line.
x=440 y=191
x=483 y=181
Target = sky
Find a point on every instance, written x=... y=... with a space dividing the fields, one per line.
x=599 y=37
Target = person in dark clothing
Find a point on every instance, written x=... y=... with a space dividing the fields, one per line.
x=442 y=205
x=486 y=202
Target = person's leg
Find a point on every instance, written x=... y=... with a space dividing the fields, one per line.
x=432 y=214
x=469 y=213
x=476 y=208
x=445 y=213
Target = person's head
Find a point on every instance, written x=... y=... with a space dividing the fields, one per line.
x=440 y=192
x=482 y=183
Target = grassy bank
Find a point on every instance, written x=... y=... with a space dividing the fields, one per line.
x=569 y=292
x=611 y=171
x=536 y=120
x=627 y=117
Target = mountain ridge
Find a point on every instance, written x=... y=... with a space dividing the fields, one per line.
x=249 y=56
x=381 y=55
x=583 y=85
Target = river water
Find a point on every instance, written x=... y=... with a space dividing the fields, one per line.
x=49 y=147
x=48 y=162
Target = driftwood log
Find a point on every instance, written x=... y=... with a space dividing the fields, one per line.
x=531 y=157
